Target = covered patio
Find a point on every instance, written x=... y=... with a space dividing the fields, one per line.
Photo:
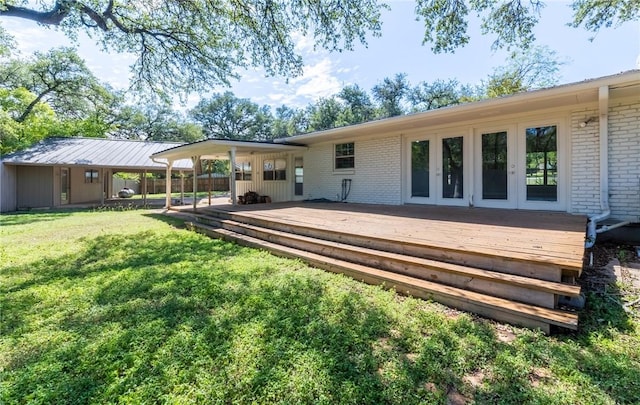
x=219 y=149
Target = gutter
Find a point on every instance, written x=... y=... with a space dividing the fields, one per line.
x=603 y=99
x=592 y=225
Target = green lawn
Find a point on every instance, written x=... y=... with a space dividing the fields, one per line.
x=128 y=307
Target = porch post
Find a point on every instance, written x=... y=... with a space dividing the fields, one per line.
x=210 y=178
x=232 y=176
x=196 y=162
x=167 y=185
x=181 y=187
x=144 y=187
x=103 y=176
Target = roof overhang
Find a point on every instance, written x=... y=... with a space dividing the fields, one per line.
x=219 y=149
x=625 y=84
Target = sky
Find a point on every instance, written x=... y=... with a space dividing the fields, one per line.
x=399 y=50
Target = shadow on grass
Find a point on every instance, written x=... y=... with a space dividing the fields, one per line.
x=30 y=217
x=178 y=317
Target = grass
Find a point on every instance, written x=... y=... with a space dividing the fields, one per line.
x=128 y=307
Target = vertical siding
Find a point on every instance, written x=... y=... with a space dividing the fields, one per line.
x=376 y=178
x=624 y=160
x=81 y=192
x=278 y=190
x=36 y=186
x=8 y=201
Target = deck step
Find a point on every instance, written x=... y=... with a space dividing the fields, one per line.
x=449 y=254
x=524 y=289
x=486 y=305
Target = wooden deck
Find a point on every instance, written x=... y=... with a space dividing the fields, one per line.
x=524 y=257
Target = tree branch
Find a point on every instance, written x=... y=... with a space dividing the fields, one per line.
x=52 y=17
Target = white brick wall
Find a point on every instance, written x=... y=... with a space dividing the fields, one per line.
x=376 y=178
x=624 y=162
x=585 y=164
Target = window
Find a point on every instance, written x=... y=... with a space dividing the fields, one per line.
x=345 y=156
x=91 y=176
x=243 y=171
x=275 y=169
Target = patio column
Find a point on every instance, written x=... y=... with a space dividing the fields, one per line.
x=144 y=187
x=167 y=185
x=196 y=162
x=181 y=187
x=232 y=176
x=210 y=180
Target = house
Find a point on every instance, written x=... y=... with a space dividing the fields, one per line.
x=480 y=206
x=573 y=148
x=61 y=171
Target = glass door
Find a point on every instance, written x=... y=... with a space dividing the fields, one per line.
x=435 y=170
x=64 y=186
x=495 y=169
x=541 y=178
x=421 y=171
x=298 y=177
x=450 y=171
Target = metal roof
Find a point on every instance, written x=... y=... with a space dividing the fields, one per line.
x=95 y=152
x=219 y=149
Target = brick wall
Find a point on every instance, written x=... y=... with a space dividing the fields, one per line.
x=585 y=164
x=376 y=178
x=624 y=161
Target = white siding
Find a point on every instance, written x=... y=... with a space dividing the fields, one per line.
x=278 y=190
x=376 y=178
x=8 y=200
x=624 y=161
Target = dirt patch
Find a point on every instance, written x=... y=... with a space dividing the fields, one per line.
x=613 y=270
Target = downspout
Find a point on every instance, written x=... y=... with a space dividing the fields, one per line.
x=603 y=98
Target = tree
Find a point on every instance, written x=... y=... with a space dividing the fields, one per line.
x=358 y=105
x=390 y=94
x=16 y=135
x=536 y=68
x=511 y=21
x=58 y=77
x=197 y=44
x=440 y=93
x=289 y=121
x=224 y=116
x=7 y=43
x=326 y=113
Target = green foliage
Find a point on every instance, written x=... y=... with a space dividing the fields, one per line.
x=390 y=94
x=512 y=22
x=534 y=69
x=126 y=307
x=224 y=116
x=16 y=135
x=595 y=14
x=198 y=45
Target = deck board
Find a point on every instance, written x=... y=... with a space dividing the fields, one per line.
x=548 y=237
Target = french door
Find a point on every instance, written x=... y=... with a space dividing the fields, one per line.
x=495 y=175
x=512 y=166
x=436 y=170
